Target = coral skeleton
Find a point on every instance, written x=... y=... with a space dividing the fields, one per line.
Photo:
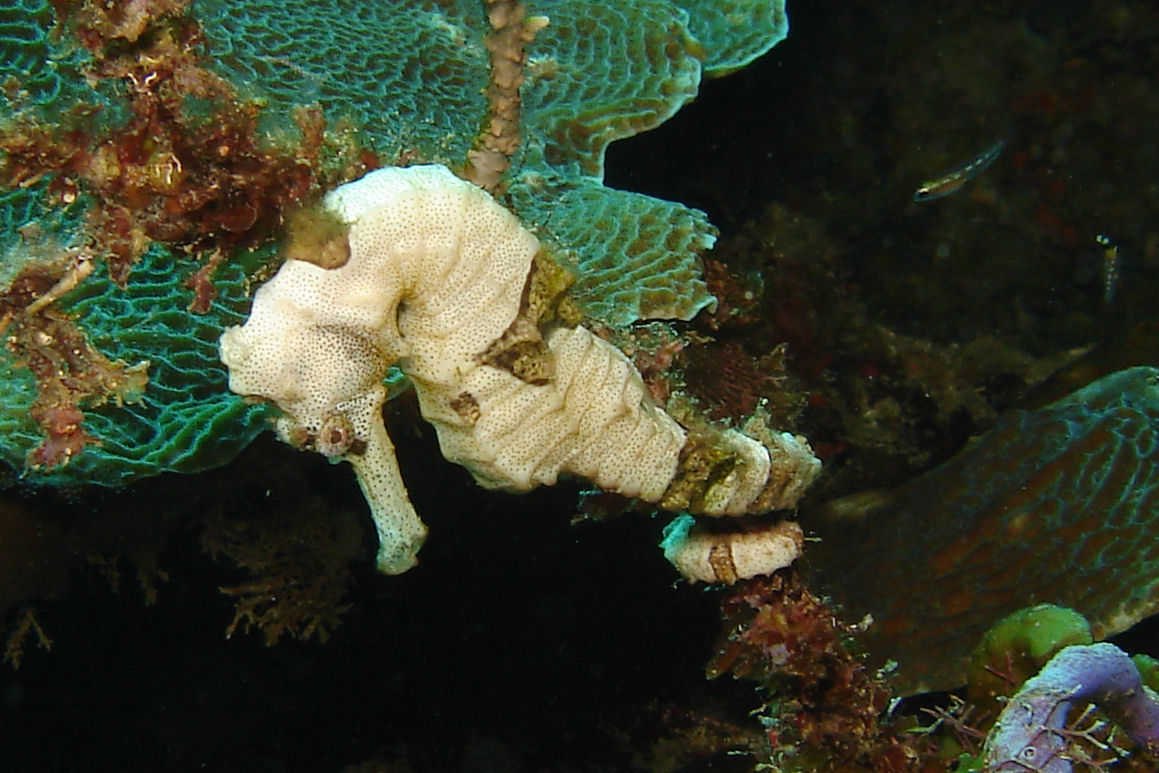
x=444 y=283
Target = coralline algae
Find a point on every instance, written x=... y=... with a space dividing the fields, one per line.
x=1031 y=733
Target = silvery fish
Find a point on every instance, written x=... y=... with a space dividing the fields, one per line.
x=945 y=184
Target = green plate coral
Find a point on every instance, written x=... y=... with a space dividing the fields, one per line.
x=186 y=419
x=406 y=82
x=597 y=73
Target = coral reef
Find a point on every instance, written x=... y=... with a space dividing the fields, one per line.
x=185 y=420
x=822 y=704
x=172 y=164
x=196 y=128
x=67 y=369
x=1040 y=696
x=596 y=73
x=1075 y=481
x=1014 y=650
x=891 y=331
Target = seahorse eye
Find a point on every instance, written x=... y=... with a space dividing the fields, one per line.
x=335 y=437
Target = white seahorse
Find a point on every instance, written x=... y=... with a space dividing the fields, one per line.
x=445 y=283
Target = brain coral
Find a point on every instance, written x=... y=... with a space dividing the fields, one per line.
x=409 y=78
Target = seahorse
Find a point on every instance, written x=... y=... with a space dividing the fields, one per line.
x=429 y=273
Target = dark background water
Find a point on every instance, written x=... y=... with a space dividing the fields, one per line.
x=522 y=642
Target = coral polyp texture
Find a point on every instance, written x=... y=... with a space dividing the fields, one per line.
x=126 y=128
x=1076 y=481
x=184 y=418
x=596 y=73
x=445 y=283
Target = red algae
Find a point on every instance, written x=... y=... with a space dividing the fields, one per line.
x=68 y=370
x=822 y=705
x=201 y=182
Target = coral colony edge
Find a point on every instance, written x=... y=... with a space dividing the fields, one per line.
x=231 y=222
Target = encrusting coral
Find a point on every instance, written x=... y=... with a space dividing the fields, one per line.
x=1076 y=480
x=1031 y=732
x=1025 y=676
x=446 y=284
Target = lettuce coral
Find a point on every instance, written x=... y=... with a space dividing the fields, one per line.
x=597 y=72
x=186 y=420
x=406 y=79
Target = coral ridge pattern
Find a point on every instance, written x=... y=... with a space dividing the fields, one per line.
x=402 y=79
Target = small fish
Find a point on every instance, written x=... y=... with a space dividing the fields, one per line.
x=945 y=184
x=1110 y=266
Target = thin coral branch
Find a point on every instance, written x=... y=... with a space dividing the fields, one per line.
x=511 y=31
x=26 y=625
